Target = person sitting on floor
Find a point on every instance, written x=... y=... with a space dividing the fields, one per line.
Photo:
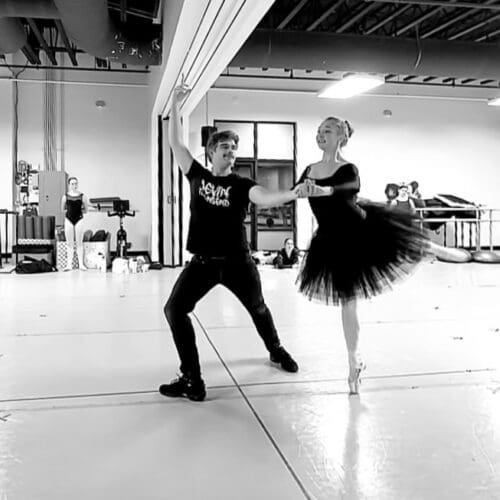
x=288 y=256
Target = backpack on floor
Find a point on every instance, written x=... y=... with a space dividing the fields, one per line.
x=100 y=235
x=29 y=265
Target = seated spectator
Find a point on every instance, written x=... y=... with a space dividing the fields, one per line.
x=415 y=195
x=403 y=200
x=391 y=192
x=288 y=256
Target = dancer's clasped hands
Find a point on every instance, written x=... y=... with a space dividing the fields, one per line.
x=309 y=189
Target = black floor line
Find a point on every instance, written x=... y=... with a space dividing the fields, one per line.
x=248 y=384
x=366 y=323
x=91 y=332
x=256 y=415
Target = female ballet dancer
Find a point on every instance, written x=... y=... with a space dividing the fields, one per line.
x=74 y=205
x=358 y=250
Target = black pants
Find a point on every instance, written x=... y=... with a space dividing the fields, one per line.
x=238 y=274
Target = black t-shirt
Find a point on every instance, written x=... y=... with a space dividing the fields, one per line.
x=219 y=205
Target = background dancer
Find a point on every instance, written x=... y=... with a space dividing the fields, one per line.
x=73 y=205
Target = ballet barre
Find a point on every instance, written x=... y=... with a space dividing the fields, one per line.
x=483 y=215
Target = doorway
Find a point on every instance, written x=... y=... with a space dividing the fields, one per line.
x=267 y=153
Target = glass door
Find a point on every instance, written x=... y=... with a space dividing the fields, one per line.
x=246 y=168
x=267 y=154
x=275 y=224
x=275 y=154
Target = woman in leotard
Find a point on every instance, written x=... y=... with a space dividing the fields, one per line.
x=74 y=205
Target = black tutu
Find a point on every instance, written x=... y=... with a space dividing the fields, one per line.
x=359 y=253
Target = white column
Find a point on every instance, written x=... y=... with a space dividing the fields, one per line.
x=208 y=35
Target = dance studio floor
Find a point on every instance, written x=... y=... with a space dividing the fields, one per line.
x=82 y=354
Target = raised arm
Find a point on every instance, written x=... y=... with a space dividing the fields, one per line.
x=175 y=131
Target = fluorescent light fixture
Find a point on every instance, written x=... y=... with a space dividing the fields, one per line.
x=494 y=102
x=351 y=85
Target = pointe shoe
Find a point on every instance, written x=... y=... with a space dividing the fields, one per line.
x=354 y=379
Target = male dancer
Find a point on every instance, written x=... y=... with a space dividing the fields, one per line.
x=217 y=238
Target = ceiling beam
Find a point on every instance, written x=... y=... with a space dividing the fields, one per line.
x=131 y=10
x=454 y=20
x=291 y=15
x=30 y=54
x=417 y=21
x=474 y=27
x=441 y=3
x=57 y=50
x=356 y=17
x=388 y=19
x=41 y=40
x=448 y=23
x=67 y=44
x=123 y=11
x=325 y=14
x=488 y=35
x=70 y=68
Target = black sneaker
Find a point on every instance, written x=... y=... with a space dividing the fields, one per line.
x=184 y=386
x=284 y=359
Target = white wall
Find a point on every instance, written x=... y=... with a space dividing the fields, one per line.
x=107 y=149
x=447 y=146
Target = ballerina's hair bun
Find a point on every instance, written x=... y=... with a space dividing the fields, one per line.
x=349 y=129
x=344 y=125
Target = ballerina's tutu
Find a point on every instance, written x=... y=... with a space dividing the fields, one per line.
x=359 y=252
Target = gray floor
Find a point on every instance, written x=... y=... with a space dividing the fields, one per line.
x=82 y=354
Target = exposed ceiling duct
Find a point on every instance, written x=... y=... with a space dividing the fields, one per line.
x=88 y=24
x=353 y=53
x=40 y=9
x=12 y=35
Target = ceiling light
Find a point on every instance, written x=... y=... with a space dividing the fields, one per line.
x=351 y=85
x=494 y=102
